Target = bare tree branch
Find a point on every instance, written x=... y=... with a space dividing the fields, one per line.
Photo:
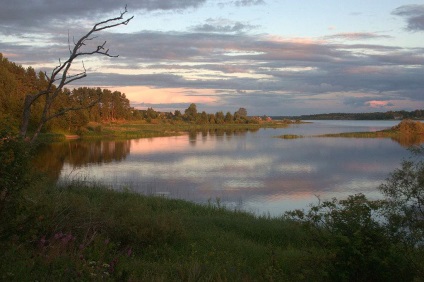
x=60 y=73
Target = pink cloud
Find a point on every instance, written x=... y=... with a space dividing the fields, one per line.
x=149 y=95
x=378 y=104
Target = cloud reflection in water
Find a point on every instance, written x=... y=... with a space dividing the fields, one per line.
x=251 y=171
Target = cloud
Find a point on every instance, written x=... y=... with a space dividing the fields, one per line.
x=222 y=61
x=223 y=26
x=357 y=36
x=242 y=3
x=249 y=2
x=379 y=104
x=264 y=68
x=370 y=101
x=245 y=62
x=414 y=15
x=33 y=14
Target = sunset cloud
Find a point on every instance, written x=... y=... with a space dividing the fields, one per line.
x=379 y=104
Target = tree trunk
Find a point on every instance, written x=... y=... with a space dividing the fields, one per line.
x=26 y=115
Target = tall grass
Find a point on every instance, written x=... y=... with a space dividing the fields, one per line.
x=79 y=232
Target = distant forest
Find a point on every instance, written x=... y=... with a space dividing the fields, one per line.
x=390 y=115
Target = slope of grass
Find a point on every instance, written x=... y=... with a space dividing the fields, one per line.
x=79 y=232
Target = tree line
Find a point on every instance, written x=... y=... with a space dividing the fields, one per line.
x=192 y=115
x=389 y=115
x=92 y=104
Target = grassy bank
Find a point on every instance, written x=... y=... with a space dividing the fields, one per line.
x=141 y=129
x=290 y=136
x=78 y=232
x=376 y=134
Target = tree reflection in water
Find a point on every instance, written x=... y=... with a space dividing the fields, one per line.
x=50 y=158
x=263 y=173
x=409 y=140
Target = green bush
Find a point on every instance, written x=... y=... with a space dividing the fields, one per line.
x=355 y=240
x=373 y=240
x=14 y=174
x=404 y=209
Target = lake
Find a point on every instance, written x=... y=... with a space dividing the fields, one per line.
x=247 y=170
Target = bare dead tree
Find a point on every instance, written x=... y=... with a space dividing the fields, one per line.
x=60 y=77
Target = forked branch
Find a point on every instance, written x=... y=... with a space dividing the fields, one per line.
x=60 y=76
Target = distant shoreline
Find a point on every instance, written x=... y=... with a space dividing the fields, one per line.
x=390 y=115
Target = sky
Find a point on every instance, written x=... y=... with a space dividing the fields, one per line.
x=272 y=57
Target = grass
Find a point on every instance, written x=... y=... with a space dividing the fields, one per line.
x=290 y=136
x=405 y=140
x=79 y=232
x=376 y=134
x=157 y=128
x=407 y=133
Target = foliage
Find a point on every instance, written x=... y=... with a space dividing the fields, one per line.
x=242 y=112
x=404 y=211
x=14 y=176
x=407 y=126
x=356 y=243
x=191 y=112
x=16 y=81
x=374 y=240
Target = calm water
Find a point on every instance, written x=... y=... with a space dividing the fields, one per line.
x=247 y=170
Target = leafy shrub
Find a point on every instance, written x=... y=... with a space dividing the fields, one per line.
x=404 y=209
x=14 y=173
x=355 y=239
x=374 y=240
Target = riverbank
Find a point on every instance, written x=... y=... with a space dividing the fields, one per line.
x=407 y=133
x=141 y=129
x=79 y=232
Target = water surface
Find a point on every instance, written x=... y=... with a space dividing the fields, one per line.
x=249 y=170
